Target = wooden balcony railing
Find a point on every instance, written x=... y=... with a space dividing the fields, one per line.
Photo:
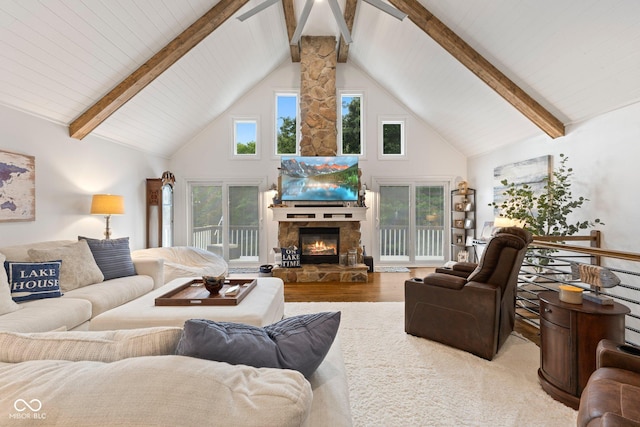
x=244 y=239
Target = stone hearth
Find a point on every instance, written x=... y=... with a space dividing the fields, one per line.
x=322 y=273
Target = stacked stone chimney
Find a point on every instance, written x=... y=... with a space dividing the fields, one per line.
x=318 y=108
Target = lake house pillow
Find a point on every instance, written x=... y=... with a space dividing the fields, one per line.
x=33 y=280
x=78 y=268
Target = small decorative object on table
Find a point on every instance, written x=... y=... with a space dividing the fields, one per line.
x=570 y=294
x=352 y=257
x=213 y=283
x=598 y=278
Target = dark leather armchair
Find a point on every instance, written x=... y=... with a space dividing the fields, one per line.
x=474 y=313
x=612 y=394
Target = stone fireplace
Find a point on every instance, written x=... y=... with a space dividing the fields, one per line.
x=318 y=115
x=348 y=238
x=349 y=233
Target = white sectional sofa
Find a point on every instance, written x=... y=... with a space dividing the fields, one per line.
x=77 y=307
x=68 y=382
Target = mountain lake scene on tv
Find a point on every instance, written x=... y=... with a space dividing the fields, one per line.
x=319 y=178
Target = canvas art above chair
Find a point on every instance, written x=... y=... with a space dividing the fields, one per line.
x=470 y=307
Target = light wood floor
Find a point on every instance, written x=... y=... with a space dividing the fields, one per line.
x=381 y=287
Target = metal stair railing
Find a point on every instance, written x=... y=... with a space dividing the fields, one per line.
x=542 y=272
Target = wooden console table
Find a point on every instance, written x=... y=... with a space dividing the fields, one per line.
x=569 y=334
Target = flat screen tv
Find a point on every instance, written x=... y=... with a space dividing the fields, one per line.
x=319 y=179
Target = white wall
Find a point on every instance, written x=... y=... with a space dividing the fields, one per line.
x=208 y=156
x=68 y=172
x=603 y=153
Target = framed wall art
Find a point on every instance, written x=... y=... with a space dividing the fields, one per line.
x=532 y=172
x=17 y=187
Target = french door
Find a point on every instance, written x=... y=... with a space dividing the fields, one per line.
x=410 y=224
x=225 y=220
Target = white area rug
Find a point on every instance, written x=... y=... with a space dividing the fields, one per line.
x=396 y=379
x=391 y=269
x=243 y=270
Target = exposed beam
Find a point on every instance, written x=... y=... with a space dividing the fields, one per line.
x=160 y=62
x=349 y=16
x=482 y=68
x=304 y=15
x=339 y=18
x=290 y=20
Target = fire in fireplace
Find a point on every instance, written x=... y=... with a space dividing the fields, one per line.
x=319 y=245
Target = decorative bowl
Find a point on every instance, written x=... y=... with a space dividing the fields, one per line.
x=213 y=283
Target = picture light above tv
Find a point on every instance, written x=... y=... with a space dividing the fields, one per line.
x=319 y=179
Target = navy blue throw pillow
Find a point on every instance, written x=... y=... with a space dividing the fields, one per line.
x=113 y=256
x=33 y=280
x=299 y=342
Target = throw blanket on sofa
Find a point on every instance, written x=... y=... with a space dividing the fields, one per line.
x=185 y=261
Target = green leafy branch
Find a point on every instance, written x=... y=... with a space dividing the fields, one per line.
x=545 y=214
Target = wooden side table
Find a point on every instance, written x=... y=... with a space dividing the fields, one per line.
x=569 y=334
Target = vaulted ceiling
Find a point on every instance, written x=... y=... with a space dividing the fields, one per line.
x=576 y=58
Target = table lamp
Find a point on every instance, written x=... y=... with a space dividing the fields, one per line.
x=107 y=205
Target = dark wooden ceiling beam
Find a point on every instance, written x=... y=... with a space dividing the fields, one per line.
x=290 y=21
x=482 y=68
x=349 y=17
x=160 y=62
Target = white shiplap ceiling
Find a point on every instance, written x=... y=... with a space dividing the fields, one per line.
x=578 y=58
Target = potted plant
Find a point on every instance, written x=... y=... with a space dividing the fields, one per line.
x=545 y=214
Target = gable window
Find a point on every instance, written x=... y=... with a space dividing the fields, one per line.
x=391 y=138
x=351 y=129
x=245 y=137
x=287 y=119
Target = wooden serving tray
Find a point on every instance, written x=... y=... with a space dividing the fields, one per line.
x=194 y=293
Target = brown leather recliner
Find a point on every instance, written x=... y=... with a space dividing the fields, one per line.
x=476 y=313
x=612 y=394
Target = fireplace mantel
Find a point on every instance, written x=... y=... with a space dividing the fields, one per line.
x=302 y=213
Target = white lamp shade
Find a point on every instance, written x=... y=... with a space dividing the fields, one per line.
x=107 y=204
